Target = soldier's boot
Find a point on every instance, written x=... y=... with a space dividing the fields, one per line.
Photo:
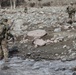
x=73 y=17
x=25 y=10
x=1 y=54
x=70 y=19
x=5 y=51
x=70 y=15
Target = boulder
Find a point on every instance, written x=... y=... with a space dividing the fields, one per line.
x=37 y=33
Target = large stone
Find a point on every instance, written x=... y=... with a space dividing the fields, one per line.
x=39 y=42
x=37 y=33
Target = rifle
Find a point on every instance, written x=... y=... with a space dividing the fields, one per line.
x=9 y=34
x=6 y=31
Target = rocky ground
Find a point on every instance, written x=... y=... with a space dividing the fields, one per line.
x=17 y=66
x=41 y=34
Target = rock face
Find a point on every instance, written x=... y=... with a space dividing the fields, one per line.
x=37 y=33
x=39 y=42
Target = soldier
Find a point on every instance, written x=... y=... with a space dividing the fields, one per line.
x=4 y=33
x=25 y=9
x=71 y=12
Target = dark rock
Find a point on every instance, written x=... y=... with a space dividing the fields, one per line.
x=74 y=73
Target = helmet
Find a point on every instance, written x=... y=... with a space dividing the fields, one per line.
x=4 y=20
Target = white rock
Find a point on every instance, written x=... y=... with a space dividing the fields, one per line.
x=57 y=30
x=24 y=41
x=64 y=46
x=48 y=41
x=70 y=51
x=55 y=41
x=66 y=27
x=40 y=26
x=39 y=42
x=36 y=33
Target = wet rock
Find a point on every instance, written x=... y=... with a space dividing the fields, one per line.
x=72 y=56
x=2 y=73
x=41 y=64
x=5 y=67
x=74 y=73
x=28 y=62
x=39 y=42
x=62 y=68
x=63 y=58
x=37 y=33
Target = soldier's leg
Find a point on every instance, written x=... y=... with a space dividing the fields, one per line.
x=73 y=17
x=5 y=50
x=25 y=10
x=1 y=53
x=70 y=16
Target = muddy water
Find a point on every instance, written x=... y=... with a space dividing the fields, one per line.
x=17 y=66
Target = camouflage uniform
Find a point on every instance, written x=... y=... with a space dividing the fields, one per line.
x=3 y=39
x=71 y=12
x=25 y=9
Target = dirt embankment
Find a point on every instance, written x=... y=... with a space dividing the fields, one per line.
x=49 y=2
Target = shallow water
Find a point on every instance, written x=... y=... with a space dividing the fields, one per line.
x=17 y=66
